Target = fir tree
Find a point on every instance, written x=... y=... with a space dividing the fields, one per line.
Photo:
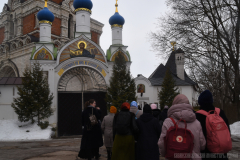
x=34 y=96
x=168 y=92
x=122 y=85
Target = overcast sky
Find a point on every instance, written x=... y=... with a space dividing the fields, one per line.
x=140 y=19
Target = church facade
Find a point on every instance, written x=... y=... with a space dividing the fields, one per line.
x=148 y=88
x=65 y=40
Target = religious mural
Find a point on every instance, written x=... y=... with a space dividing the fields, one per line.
x=119 y=52
x=43 y=54
x=141 y=88
x=81 y=48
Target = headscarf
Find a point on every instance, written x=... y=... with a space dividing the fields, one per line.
x=180 y=99
x=147 y=109
x=134 y=104
x=125 y=105
x=113 y=109
x=153 y=106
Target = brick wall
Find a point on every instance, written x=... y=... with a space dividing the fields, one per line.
x=95 y=36
x=28 y=23
x=56 y=26
x=57 y=1
x=1 y=34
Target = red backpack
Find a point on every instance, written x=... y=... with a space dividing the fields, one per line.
x=178 y=142
x=218 y=136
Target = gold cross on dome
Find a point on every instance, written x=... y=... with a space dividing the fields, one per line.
x=46 y=3
x=116 y=6
x=173 y=43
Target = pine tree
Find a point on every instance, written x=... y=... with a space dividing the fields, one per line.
x=168 y=92
x=122 y=85
x=34 y=96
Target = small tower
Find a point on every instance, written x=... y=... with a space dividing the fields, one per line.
x=45 y=18
x=179 y=59
x=83 y=13
x=117 y=22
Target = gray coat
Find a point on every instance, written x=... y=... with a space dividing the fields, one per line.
x=107 y=128
x=134 y=110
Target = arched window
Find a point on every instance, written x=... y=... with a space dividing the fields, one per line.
x=70 y=26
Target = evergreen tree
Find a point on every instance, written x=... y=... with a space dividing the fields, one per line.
x=168 y=92
x=122 y=85
x=34 y=96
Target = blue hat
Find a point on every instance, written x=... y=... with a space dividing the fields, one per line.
x=134 y=104
x=205 y=98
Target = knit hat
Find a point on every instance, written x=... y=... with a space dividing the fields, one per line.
x=153 y=106
x=205 y=98
x=113 y=109
x=125 y=105
x=134 y=104
x=165 y=107
x=147 y=109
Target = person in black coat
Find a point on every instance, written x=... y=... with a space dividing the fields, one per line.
x=155 y=111
x=92 y=135
x=164 y=113
x=149 y=133
x=205 y=100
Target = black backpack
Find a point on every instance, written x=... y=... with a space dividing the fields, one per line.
x=123 y=123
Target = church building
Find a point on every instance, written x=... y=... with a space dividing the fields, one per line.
x=65 y=40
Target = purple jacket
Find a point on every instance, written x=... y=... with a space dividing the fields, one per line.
x=184 y=111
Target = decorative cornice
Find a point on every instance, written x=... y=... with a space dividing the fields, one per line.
x=83 y=9
x=48 y=22
x=117 y=25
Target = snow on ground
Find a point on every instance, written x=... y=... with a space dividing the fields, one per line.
x=10 y=131
x=235 y=129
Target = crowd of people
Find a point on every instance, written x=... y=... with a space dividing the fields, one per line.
x=176 y=132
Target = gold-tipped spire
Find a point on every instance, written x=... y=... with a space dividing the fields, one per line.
x=173 y=43
x=116 y=5
x=45 y=3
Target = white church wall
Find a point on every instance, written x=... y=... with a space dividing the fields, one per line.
x=187 y=91
x=8 y=92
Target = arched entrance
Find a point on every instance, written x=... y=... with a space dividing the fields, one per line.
x=7 y=71
x=75 y=87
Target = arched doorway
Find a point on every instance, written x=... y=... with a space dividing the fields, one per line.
x=7 y=71
x=75 y=87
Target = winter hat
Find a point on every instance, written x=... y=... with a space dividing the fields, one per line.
x=180 y=99
x=113 y=109
x=125 y=105
x=165 y=107
x=134 y=104
x=153 y=106
x=205 y=98
x=147 y=109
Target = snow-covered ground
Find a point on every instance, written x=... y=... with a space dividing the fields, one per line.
x=235 y=130
x=10 y=131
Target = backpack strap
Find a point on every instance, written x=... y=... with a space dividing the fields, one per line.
x=175 y=124
x=217 y=110
x=202 y=112
x=136 y=113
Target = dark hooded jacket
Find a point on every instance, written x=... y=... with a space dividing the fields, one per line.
x=149 y=133
x=156 y=113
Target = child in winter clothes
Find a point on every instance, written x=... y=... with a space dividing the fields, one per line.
x=107 y=128
x=181 y=109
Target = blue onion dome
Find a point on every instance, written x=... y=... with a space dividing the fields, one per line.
x=116 y=19
x=83 y=4
x=45 y=15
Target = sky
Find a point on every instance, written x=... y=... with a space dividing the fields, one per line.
x=140 y=19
